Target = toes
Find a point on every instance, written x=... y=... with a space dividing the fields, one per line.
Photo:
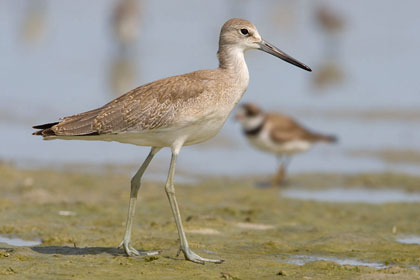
x=191 y=256
x=132 y=253
x=212 y=261
x=197 y=261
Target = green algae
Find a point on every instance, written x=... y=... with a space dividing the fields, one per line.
x=255 y=230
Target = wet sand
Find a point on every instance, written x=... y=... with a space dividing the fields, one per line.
x=80 y=218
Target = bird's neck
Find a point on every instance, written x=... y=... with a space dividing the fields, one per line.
x=253 y=126
x=232 y=60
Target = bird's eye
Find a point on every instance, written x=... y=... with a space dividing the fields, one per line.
x=244 y=31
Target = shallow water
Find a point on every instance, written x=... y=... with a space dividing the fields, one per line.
x=14 y=241
x=353 y=195
x=77 y=78
x=304 y=259
x=409 y=239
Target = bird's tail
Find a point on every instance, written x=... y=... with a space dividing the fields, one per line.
x=76 y=125
x=44 y=129
x=326 y=138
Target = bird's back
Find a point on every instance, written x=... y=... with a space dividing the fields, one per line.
x=284 y=129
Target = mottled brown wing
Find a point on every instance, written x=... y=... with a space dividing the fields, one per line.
x=285 y=129
x=151 y=106
x=80 y=124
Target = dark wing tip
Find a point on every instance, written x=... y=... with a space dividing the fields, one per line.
x=331 y=138
x=45 y=129
x=45 y=125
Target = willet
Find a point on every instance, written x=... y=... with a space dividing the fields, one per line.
x=172 y=112
x=277 y=134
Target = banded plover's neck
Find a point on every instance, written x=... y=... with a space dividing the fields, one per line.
x=254 y=125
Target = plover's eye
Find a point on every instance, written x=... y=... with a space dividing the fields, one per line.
x=244 y=31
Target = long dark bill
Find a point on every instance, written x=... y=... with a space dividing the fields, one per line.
x=269 y=48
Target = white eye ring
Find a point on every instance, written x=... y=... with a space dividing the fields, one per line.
x=244 y=31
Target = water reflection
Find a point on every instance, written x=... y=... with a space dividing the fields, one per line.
x=304 y=259
x=408 y=239
x=353 y=195
x=14 y=241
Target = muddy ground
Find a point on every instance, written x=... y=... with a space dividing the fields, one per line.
x=80 y=218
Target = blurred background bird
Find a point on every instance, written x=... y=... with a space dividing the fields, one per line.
x=331 y=23
x=277 y=134
x=126 y=21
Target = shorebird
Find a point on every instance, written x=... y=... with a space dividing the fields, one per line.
x=126 y=21
x=172 y=112
x=277 y=134
x=329 y=20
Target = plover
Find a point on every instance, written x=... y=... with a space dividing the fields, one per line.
x=172 y=112
x=277 y=134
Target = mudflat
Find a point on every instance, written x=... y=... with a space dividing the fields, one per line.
x=79 y=218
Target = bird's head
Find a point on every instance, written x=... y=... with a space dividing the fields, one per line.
x=243 y=35
x=250 y=116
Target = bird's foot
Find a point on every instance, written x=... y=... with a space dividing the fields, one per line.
x=131 y=252
x=278 y=179
x=191 y=256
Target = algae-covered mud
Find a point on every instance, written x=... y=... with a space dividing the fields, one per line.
x=260 y=232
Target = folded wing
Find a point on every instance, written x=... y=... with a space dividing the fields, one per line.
x=151 y=106
x=285 y=129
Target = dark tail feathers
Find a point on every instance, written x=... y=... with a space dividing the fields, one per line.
x=328 y=138
x=45 y=129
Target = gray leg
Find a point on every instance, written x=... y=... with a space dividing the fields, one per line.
x=135 y=186
x=170 y=192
